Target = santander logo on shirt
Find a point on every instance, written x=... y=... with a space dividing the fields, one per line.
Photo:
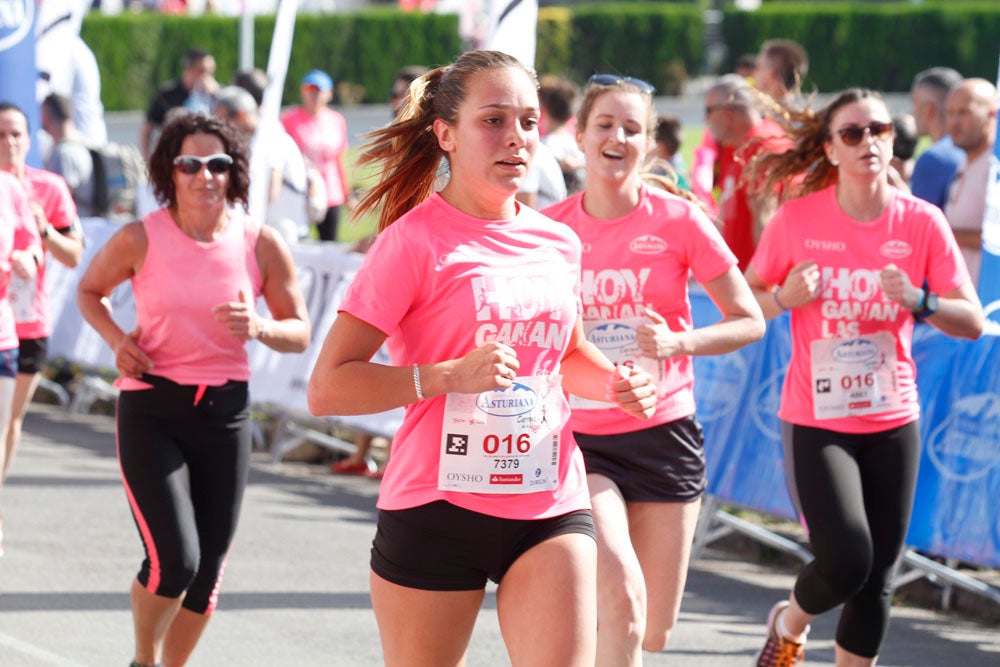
x=648 y=245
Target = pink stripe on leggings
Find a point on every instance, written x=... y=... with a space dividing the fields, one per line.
x=147 y=536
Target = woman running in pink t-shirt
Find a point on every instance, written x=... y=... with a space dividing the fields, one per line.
x=477 y=299
x=646 y=479
x=857 y=262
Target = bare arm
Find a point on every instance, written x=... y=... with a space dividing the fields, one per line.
x=969 y=239
x=288 y=330
x=344 y=381
x=589 y=374
x=742 y=323
x=959 y=311
x=66 y=247
x=801 y=286
x=119 y=259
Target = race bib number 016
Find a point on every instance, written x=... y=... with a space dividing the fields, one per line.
x=504 y=441
x=854 y=376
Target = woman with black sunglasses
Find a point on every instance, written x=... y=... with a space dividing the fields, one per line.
x=856 y=262
x=646 y=478
x=197 y=267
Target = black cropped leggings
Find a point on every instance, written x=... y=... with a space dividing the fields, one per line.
x=855 y=492
x=184 y=452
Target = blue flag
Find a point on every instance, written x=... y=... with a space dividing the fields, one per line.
x=18 y=74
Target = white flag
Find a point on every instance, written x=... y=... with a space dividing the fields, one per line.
x=512 y=29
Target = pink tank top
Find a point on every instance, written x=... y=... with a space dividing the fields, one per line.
x=180 y=281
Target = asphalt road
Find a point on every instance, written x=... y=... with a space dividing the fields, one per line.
x=296 y=585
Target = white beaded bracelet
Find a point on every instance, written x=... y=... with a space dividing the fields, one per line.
x=416 y=382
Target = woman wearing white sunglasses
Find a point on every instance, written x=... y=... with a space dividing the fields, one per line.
x=196 y=267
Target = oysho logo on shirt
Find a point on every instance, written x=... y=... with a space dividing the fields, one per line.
x=896 y=249
x=825 y=245
x=648 y=245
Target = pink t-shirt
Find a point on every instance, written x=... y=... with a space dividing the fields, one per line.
x=49 y=191
x=322 y=139
x=180 y=281
x=911 y=234
x=439 y=283
x=17 y=232
x=643 y=260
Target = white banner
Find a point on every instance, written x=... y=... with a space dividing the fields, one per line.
x=513 y=28
x=278 y=379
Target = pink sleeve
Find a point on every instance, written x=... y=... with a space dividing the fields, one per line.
x=386 y=285
x=772 y=259
x=63 y=212
x=710 y=257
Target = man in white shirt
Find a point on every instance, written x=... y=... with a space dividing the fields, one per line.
x=971 y=113
x=277 y=168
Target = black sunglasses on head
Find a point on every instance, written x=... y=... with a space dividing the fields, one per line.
x=192 y=164
x=615 y=80
x=853 y=135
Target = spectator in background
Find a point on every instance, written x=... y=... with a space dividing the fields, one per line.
x=781 y=65
x=85 y=94
x=69 y=156
x=972 y=124
x=736 y=123
x=401 y=85
x=254 y=81
x=278 y=185
x=936 y=166
x=544 y=185
x=746 y=66
x=904 y=147
x=55 y=228
x=195 y=90
x=667 y=137
x=321 y=134
x=708 y=156
x=558 y=99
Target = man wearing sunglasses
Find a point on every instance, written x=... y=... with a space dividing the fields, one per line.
x=735 y=122
x=971 y=114
x=195 y=89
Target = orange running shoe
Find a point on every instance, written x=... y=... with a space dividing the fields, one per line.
x=779 y=651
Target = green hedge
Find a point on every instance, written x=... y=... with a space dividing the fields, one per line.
x=659 y=43
x=137 y=52
x=859 y=43
x=881 y=47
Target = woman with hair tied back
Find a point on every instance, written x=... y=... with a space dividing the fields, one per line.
x=183 y=419
x=477 y=298
x=646 y=479
x=856 y=262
